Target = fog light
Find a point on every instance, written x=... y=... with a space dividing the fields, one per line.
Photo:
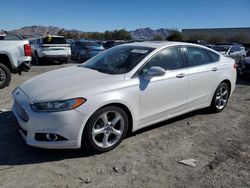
x=51 y=137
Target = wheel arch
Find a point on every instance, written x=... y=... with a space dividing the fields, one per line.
x=5 y=60
x=116 y=104
x=226 y=81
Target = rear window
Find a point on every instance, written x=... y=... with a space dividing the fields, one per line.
x=54 y=40
x=213 y=56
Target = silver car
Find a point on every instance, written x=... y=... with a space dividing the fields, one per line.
x=119 y=91
x=234 y=51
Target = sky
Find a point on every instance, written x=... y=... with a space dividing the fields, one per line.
x=101 y=15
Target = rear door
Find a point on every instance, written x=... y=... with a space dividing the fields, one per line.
x=204 y=75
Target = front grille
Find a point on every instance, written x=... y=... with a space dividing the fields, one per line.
x=21 y=112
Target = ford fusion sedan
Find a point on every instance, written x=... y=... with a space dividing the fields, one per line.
x=121 y=90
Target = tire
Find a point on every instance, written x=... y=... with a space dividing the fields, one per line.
x=220 y=98
x=79 y=58
x=37 y=60
x=105 y=129
x=5 y=76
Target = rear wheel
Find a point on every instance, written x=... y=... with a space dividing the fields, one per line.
x=105 y=129
x=220 y=98
x=37 y=59
x=5 y=76
x=79 y=58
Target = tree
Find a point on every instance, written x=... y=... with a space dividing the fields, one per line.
x=175 y=36
x=158 y=37
x=215 y=39
x=61 y=33
x=238 y=39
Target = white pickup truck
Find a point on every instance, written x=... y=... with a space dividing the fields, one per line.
x=15 y=57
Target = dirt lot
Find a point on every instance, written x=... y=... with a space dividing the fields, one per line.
x=149 y=158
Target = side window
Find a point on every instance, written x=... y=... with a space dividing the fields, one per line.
x=38 y=41
x=213 y=56
x=170 y=58
x=197 y=56
x=238 y=48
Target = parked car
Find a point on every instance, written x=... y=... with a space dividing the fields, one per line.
x=234 y=51
x=2 y=37
x=112 y=43
x=123 y=89
x=244 y=67
x=83 y=50
x=248 y=53
x=50 y=48
x=70 y=41
x=15 y=57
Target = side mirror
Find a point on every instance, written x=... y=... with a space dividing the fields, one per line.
x=154 y=71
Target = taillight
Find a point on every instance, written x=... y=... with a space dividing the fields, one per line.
x=27 y=50
x=235 y=66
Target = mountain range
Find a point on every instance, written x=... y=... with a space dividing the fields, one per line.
x=141 y=33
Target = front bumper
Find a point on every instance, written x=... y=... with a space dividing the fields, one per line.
x=67 y=124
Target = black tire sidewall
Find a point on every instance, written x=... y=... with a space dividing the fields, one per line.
x=8 y=76
x=213 y=103
x=79 y=58
x=87 y=134
x=37 y=60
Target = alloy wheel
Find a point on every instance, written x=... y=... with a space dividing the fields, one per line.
x=108 y=129
x=2 y=76
x=221 y=97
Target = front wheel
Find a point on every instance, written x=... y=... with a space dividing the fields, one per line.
x=220 y=98
x=5 y=76
x=105 y=129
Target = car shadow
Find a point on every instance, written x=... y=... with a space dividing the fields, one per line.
x=14 y=151
x=172 y=120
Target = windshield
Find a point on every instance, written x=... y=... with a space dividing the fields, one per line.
x=118 y=60
x=54 y=40
x=221 y=48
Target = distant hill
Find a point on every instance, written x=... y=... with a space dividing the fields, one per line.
x=138 y=34
x=149 y=34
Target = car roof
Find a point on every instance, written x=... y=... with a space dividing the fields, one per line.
x=159 y=44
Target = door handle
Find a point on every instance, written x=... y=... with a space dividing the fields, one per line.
x=215 y=69
x=181 y=75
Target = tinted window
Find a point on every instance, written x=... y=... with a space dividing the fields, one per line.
x=170 y=59
x=197 y=56
x=54 y=40
x=213 y=56
x=118 y=60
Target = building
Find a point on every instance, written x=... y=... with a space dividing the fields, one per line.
x=241 y=35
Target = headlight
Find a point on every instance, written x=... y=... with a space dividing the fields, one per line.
x=56 y=106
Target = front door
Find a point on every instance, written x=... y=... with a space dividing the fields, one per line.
x=164 y=96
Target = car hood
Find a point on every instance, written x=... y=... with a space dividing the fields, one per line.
x=58 y=84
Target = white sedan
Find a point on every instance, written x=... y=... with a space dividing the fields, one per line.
x=121 y=90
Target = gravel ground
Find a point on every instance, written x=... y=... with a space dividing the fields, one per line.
x=148 y=158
